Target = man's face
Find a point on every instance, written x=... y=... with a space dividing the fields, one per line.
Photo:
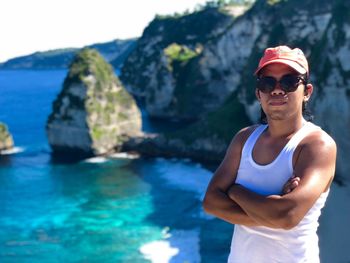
x=279 y=104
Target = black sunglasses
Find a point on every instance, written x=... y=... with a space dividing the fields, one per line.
x=288 y=83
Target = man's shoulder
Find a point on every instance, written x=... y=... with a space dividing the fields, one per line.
x=243 y=134
x=238 y=141
x=246 y=131
x=318 y=138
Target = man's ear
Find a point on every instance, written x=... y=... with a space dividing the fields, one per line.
x=308 y=91
x=257 y=94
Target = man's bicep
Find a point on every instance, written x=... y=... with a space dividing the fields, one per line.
x=315 y=167
x=226 y=173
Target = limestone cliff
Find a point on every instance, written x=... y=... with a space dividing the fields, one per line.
x=320 y=28
x=6 y=140
x=236 y=53
x=163 y=68
x=93 y=114
x=332 y=77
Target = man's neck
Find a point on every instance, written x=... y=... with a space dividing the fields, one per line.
x=284 y=128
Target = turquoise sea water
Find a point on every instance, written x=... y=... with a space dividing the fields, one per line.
x=116 y=209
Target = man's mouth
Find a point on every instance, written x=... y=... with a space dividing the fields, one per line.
x=277 y=102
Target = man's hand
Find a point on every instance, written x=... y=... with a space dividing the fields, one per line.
x=291 y=184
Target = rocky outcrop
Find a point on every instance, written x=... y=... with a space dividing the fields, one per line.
x=115 y=52
x=93 y=114
x=162 y=69
x=6 y=140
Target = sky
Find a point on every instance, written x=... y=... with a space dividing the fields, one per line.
x=27 y=26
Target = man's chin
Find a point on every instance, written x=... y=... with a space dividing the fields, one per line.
x=277 y=117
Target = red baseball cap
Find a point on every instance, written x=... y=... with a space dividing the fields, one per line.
x=293 y=58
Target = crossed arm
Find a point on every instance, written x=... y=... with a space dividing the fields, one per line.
x=233 y=203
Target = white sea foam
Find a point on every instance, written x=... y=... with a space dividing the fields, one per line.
x=12 y=151
x=181 y=246
x=158 y=251
x=96 y=160
x=124 y=155
x=185 y=175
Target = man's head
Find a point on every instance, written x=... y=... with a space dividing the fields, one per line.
x=282 y=87
x=293 y=58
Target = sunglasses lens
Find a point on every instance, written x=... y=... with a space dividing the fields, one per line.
x=289 y=83
x=266 y=84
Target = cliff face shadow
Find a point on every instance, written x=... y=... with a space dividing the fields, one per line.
x=5 y=160
x=68 y=156
x=191 y=232
x=179 y=212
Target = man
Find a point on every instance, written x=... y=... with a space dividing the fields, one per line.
x=275 y=178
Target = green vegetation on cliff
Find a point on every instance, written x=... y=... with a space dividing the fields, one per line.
x=197 y=27
x=89 y=62
x=4 y=133
x=273 y=2
x=179 y=53
x=180 y=59
x=167 y=50
x=6 y=140
x=86 y=62
x=188 y=30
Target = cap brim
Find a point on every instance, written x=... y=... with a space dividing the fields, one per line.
x=294 y=65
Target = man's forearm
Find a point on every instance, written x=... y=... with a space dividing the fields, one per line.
x=221 y=206
x=262 y=209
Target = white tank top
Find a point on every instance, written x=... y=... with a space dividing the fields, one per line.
x=269 y=245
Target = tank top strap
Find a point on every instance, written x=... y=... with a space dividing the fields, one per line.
x=253 y=137
x=287 y=152
x=300 y=135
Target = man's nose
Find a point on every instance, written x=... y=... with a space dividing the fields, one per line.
x=277 y=90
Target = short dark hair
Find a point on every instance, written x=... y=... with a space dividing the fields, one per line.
x=307 y=114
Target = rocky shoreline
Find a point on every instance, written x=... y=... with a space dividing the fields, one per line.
x=158 y=145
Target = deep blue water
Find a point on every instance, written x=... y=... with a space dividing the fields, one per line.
x=98 y=210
